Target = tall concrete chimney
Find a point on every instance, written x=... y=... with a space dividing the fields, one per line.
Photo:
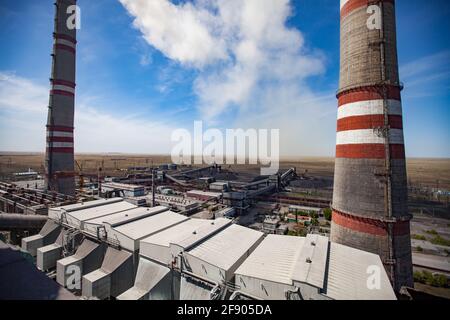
x=370 y=187
x=59 y=156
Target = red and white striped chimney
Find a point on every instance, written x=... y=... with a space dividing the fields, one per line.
x=59 y=157
x=370 y=185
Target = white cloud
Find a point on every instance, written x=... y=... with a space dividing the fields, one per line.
x=145 y=59
x=426 y=76
x=178 y=31
x=23 y=113
x=240 y=48
x=21 y=94
x=428 y=64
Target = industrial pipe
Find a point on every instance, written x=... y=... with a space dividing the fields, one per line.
x=9 y=221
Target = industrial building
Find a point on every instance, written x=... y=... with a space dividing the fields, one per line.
x=217 y=258
x=203 y=195
x=296 y=209
x=26 y=201
x=96 y=226
x=175 y=202
x=153 y=253
x=76 y=218
x=166 y=245
x=129 y=234
x=220 y=186
x=135 y=247
x=122 y=190
x=284 y=267
x=370 y=187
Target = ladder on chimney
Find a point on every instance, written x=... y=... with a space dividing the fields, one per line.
x=385 y=133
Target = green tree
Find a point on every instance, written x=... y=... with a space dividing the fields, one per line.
x=327 y=213
x=418 y=237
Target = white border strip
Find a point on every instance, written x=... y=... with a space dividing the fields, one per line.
x=343 y=3
x=63 y=88
x=59 y=134
x=368 y=136
x=369 y=107
x=60 y=144
x=66 y=43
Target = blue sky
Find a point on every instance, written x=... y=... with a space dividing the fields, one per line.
x=146 y=68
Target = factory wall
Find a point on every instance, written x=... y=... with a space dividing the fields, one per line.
x=263 y=289
x=271 y=290
x=159 y=253
x=204 y=269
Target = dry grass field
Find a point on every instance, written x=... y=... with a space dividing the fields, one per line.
x=424 y=172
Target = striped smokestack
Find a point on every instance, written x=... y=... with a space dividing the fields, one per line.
x=59 y=157
x=370 y=187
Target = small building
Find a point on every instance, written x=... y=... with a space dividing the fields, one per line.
x=122 y=189
x=295 y=209
x=270 y=225
x=207 y=180
x=225 y=212
x=221 y=186
x=304 y=220
x=282 y=229
x=237 y=200
x=174 y=202
x=203 y=195
x=167 y=191
x=164 y=167
x=27 y=175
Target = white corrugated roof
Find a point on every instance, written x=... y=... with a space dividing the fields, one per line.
x=128 y=215
x=227 y=246
x=99 y=211
x=273 y=259
x=282 y=259
x=310 y=264
x=177 y=233
x=147 y=226
x=348 y=274
x=202 y=232
x=88 y=204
